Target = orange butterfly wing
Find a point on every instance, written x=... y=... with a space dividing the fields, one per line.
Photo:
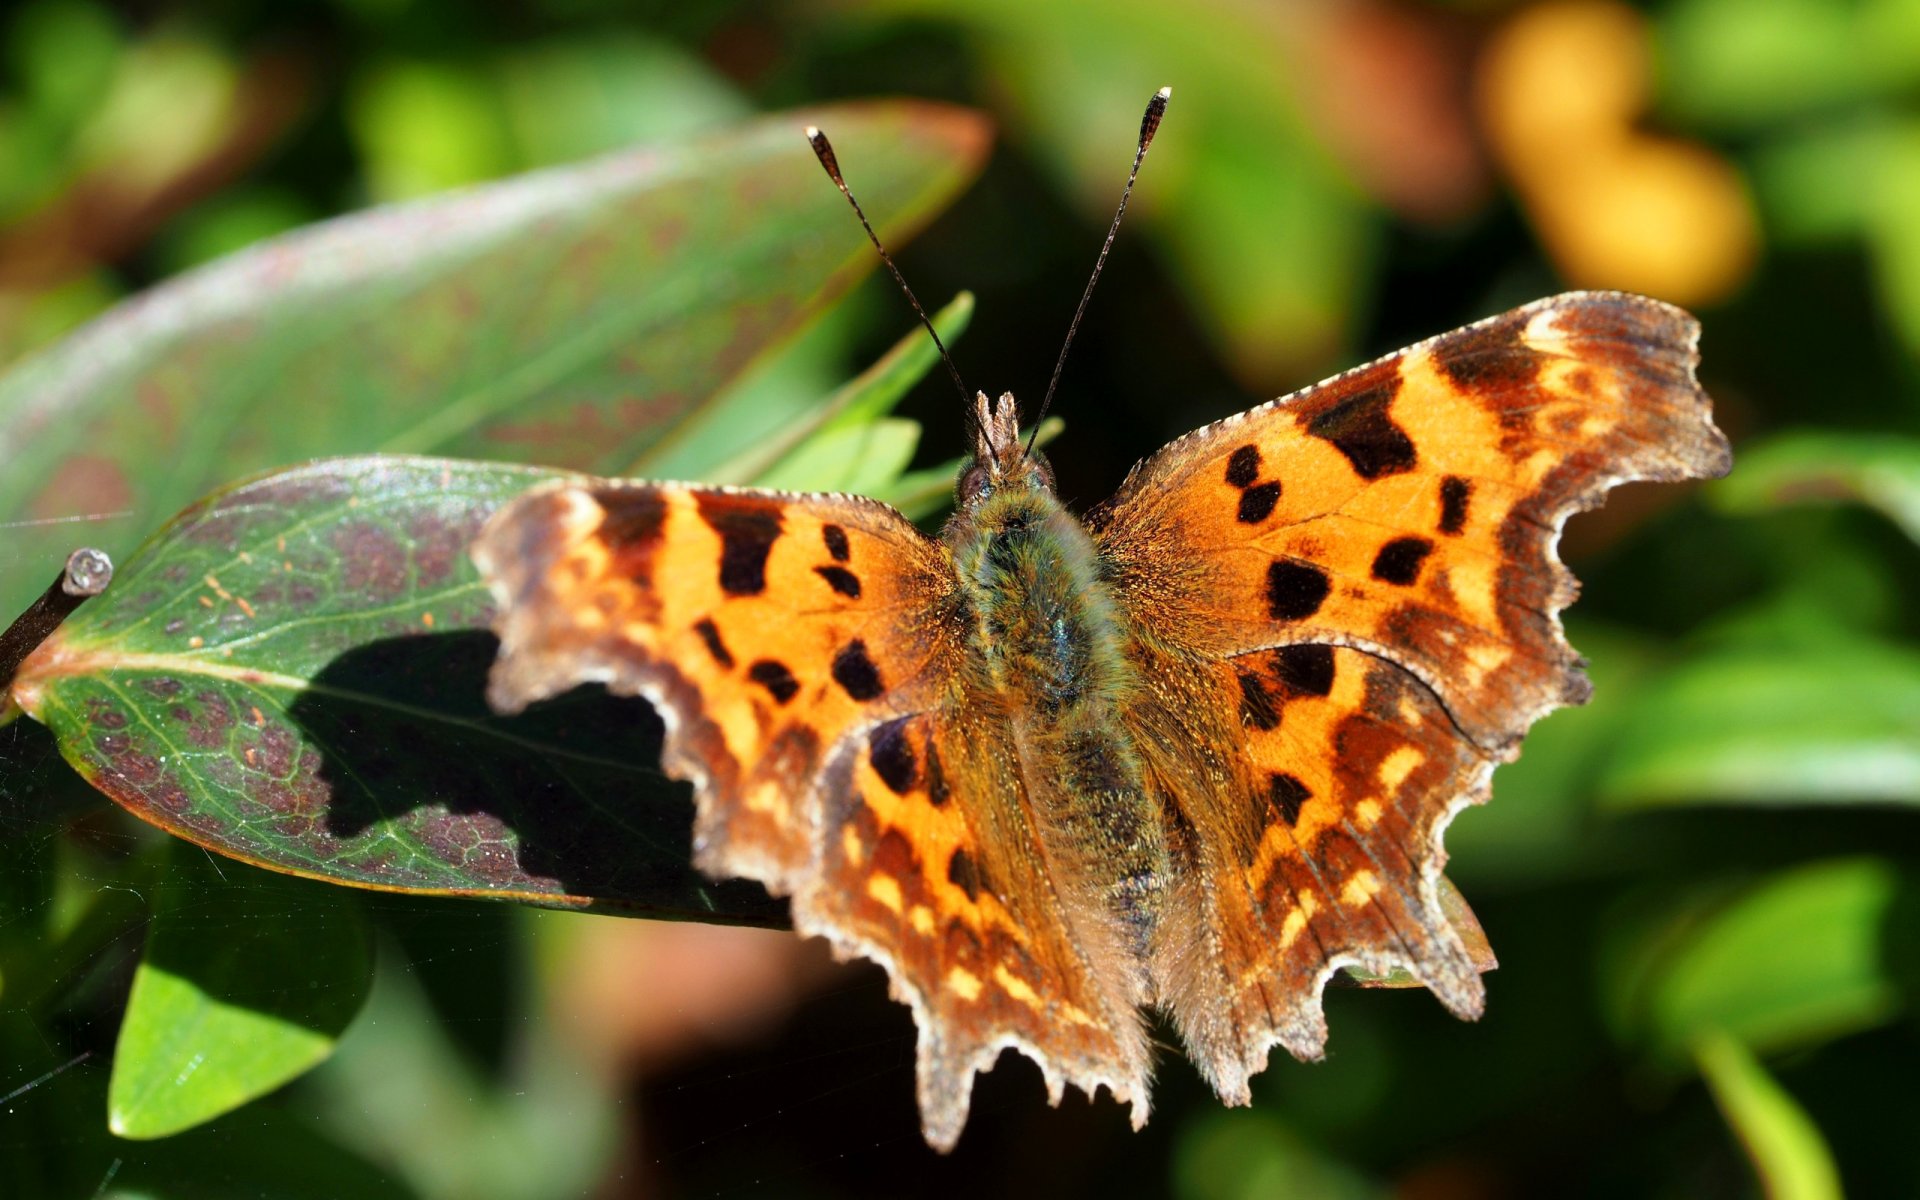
x=805 y=653
x=1358 y=585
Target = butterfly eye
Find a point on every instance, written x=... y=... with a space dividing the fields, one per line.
x=975 y=483
x=1044 y=470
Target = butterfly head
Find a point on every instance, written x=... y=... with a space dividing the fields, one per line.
x=1001 y=461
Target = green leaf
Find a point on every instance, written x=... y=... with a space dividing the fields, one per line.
x=292 y=674
x=575 y=316
x=862 y=459
x=1791 y=961
x=1834 y=723
x=1788 y=1153
x=866 y=397
x=1750 y=64
x=545 y=1123
x=225 y=1010
x=1878 y=470
x=1244 y=1155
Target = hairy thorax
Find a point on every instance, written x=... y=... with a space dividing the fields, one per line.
x=1051 y=643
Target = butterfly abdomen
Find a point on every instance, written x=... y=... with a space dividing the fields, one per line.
x=1051 y=641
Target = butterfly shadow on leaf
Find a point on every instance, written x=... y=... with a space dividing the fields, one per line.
x=430 y=790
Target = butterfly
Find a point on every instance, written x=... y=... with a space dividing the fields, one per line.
x=1193 y=751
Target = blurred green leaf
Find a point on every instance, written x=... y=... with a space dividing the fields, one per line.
x=1747 y=64
x=1791 y=961
x=425 y=127
x=275 y=1156
x=1268 y=236
x=187 y=77
x=1878 y=470
x=231 y=222
x=1893 y=227
x=862 y=459
x=1794 y=174
x=1837 y=723
x=1788 y=1153
x=64 y=53
x=1251 y=1155
x=576 y=316
x=866 y=397
x=1540 y=826
x=570 y=98
x=401 y=1093
x=224 y=1011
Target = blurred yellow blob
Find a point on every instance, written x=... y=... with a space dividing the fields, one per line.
x=1558 y=91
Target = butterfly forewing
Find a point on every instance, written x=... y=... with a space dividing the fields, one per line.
x=1411 y=507
x=763 y=626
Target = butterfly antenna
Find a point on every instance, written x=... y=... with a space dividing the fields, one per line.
x=1149 y=124
x=823 y=150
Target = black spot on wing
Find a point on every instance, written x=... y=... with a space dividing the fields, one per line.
x=1304 y=670
x=1295 y=590
x=1454 y=494
x=748 y=527
x=1243 y=466
x=836 y=540
x=631 y=519
x=1256 y=503
x=774 y=677
x=710 y=634
x=840 y=580
x=964 y=874
x=936 y=778
x=1288 y=795
x=1360 y=428
x=1493 y=358
x=854 y=671
x=1256 y=703
x=892 y=756
x=1398 y=562
x=631 y=526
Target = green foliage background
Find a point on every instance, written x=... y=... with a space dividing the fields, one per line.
x=1703 y=887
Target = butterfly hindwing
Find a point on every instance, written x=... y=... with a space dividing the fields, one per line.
x=931 y=866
